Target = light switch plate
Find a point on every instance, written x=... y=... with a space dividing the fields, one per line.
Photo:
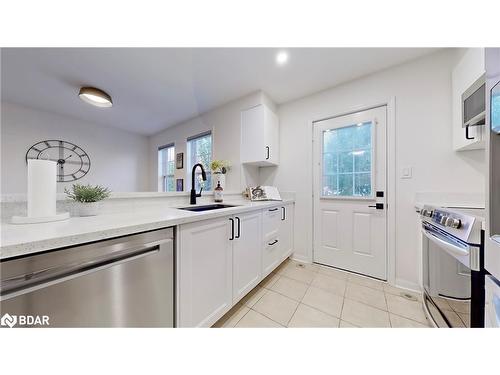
x=406 y=172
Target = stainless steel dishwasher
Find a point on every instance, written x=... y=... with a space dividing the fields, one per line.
x=121 y=282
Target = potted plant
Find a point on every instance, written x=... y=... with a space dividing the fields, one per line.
x=87 y=198
x=219 y=169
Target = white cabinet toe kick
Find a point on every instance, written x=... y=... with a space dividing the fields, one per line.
x=221 y=260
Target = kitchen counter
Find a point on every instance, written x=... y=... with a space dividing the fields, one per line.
x=17 y=240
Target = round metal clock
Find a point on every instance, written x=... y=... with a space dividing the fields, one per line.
x=72 y=161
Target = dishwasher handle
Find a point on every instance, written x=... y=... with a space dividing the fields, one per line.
x=35 y=278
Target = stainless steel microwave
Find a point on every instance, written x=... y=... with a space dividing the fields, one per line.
x=474 y=104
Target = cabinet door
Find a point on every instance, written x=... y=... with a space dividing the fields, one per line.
x=271 y=131
x=252 y=135
x=247 y=253
x=286 y=231
x=205 y=272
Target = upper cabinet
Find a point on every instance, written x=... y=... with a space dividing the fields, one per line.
x=466 y=73
x=259 y=136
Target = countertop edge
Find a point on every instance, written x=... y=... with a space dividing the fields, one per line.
x=33 y=247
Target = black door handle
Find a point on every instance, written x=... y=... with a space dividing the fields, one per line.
x=467 y=133
x=239 y=227
x=378 y=206
x=267 y=148
x=232 y=229
x=283 y=213
x=273 y=243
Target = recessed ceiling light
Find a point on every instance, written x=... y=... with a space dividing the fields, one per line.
x=96 y=97
x=281 y=58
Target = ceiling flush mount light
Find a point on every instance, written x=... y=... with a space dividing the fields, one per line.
x=96 y=97
x=281 y=58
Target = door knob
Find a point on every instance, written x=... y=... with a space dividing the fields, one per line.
x=378 y=206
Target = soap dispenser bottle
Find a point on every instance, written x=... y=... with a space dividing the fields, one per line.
x=218 y=193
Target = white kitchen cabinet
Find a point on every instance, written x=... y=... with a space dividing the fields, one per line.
x=259 y=136
x=467 y=71
x=278 y=237
x=247 y=253
x=205 y=272
x=286 y=230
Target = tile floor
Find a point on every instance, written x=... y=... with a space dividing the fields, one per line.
x=309 y=295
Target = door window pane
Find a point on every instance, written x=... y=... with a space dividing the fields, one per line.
x=347 y=161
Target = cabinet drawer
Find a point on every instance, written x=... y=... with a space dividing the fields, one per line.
x=271 y=222
x=271 y=255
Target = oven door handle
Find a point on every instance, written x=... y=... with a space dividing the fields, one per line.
x=450 y=248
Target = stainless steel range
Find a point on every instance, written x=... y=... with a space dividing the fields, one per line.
x=453 y=266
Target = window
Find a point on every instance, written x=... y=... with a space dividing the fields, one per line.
x=166 y=168
x=347 y=161
x=199 y=149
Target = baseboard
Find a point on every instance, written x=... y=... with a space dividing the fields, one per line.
x=404 y=284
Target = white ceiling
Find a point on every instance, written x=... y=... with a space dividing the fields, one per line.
x=155 y=88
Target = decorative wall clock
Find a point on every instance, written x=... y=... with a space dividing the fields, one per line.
x=72 y=161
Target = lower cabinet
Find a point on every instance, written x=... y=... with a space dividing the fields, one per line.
x=205 y=266
x=220 y=260
x=247 y=253
x=278 y=237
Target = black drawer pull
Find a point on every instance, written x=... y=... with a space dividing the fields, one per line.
x=273 y=209
x=283 y=213
x=273 y=243
x=232 y=229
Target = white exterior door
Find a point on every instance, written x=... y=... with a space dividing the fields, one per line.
x=349 y=182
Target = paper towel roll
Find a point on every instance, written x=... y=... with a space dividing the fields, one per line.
x=42 y=189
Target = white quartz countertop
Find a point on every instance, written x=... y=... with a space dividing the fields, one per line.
x=17 y=240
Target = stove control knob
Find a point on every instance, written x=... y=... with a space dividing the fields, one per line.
x=425 y=212
x=443 y=220
x=453 y=223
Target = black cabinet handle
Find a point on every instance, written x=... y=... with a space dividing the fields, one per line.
x=232 y=229
x=239 y=227
x=267 y=148
x=467 y=133
x=273 y=209
x=378 y=206
x=273 y=243
x=283 y=213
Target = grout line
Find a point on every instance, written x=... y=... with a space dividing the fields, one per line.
x=268 y=317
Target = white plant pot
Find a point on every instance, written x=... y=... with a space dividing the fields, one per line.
x=219 y=177
x=88 y=209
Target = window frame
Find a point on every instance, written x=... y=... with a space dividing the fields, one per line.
x=164 y=178
x=370 y=197
x=189 y=162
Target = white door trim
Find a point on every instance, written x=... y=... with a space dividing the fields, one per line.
x=390 y=103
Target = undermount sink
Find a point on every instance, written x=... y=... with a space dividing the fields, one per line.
x=207 y=207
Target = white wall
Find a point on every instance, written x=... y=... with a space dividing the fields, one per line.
x=225 y=124
x=422 y=89
x=119 y=159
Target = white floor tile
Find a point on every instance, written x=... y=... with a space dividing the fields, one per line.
x=344 y=324
x=232 y=316
x=408 y=309
x=269 y=281
x=276 y=307
x=454 y=319
x=332 y=272
x=324 y=301
x=400 y=322
x=460 y=306
x=390 y=289
x=369 y=296
x=363 y=315
x=291 y=288
x=253 y=296
x=330 y=284
x=306 y=316
x=366 y=281
x=253 y=319
x=294 y=271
